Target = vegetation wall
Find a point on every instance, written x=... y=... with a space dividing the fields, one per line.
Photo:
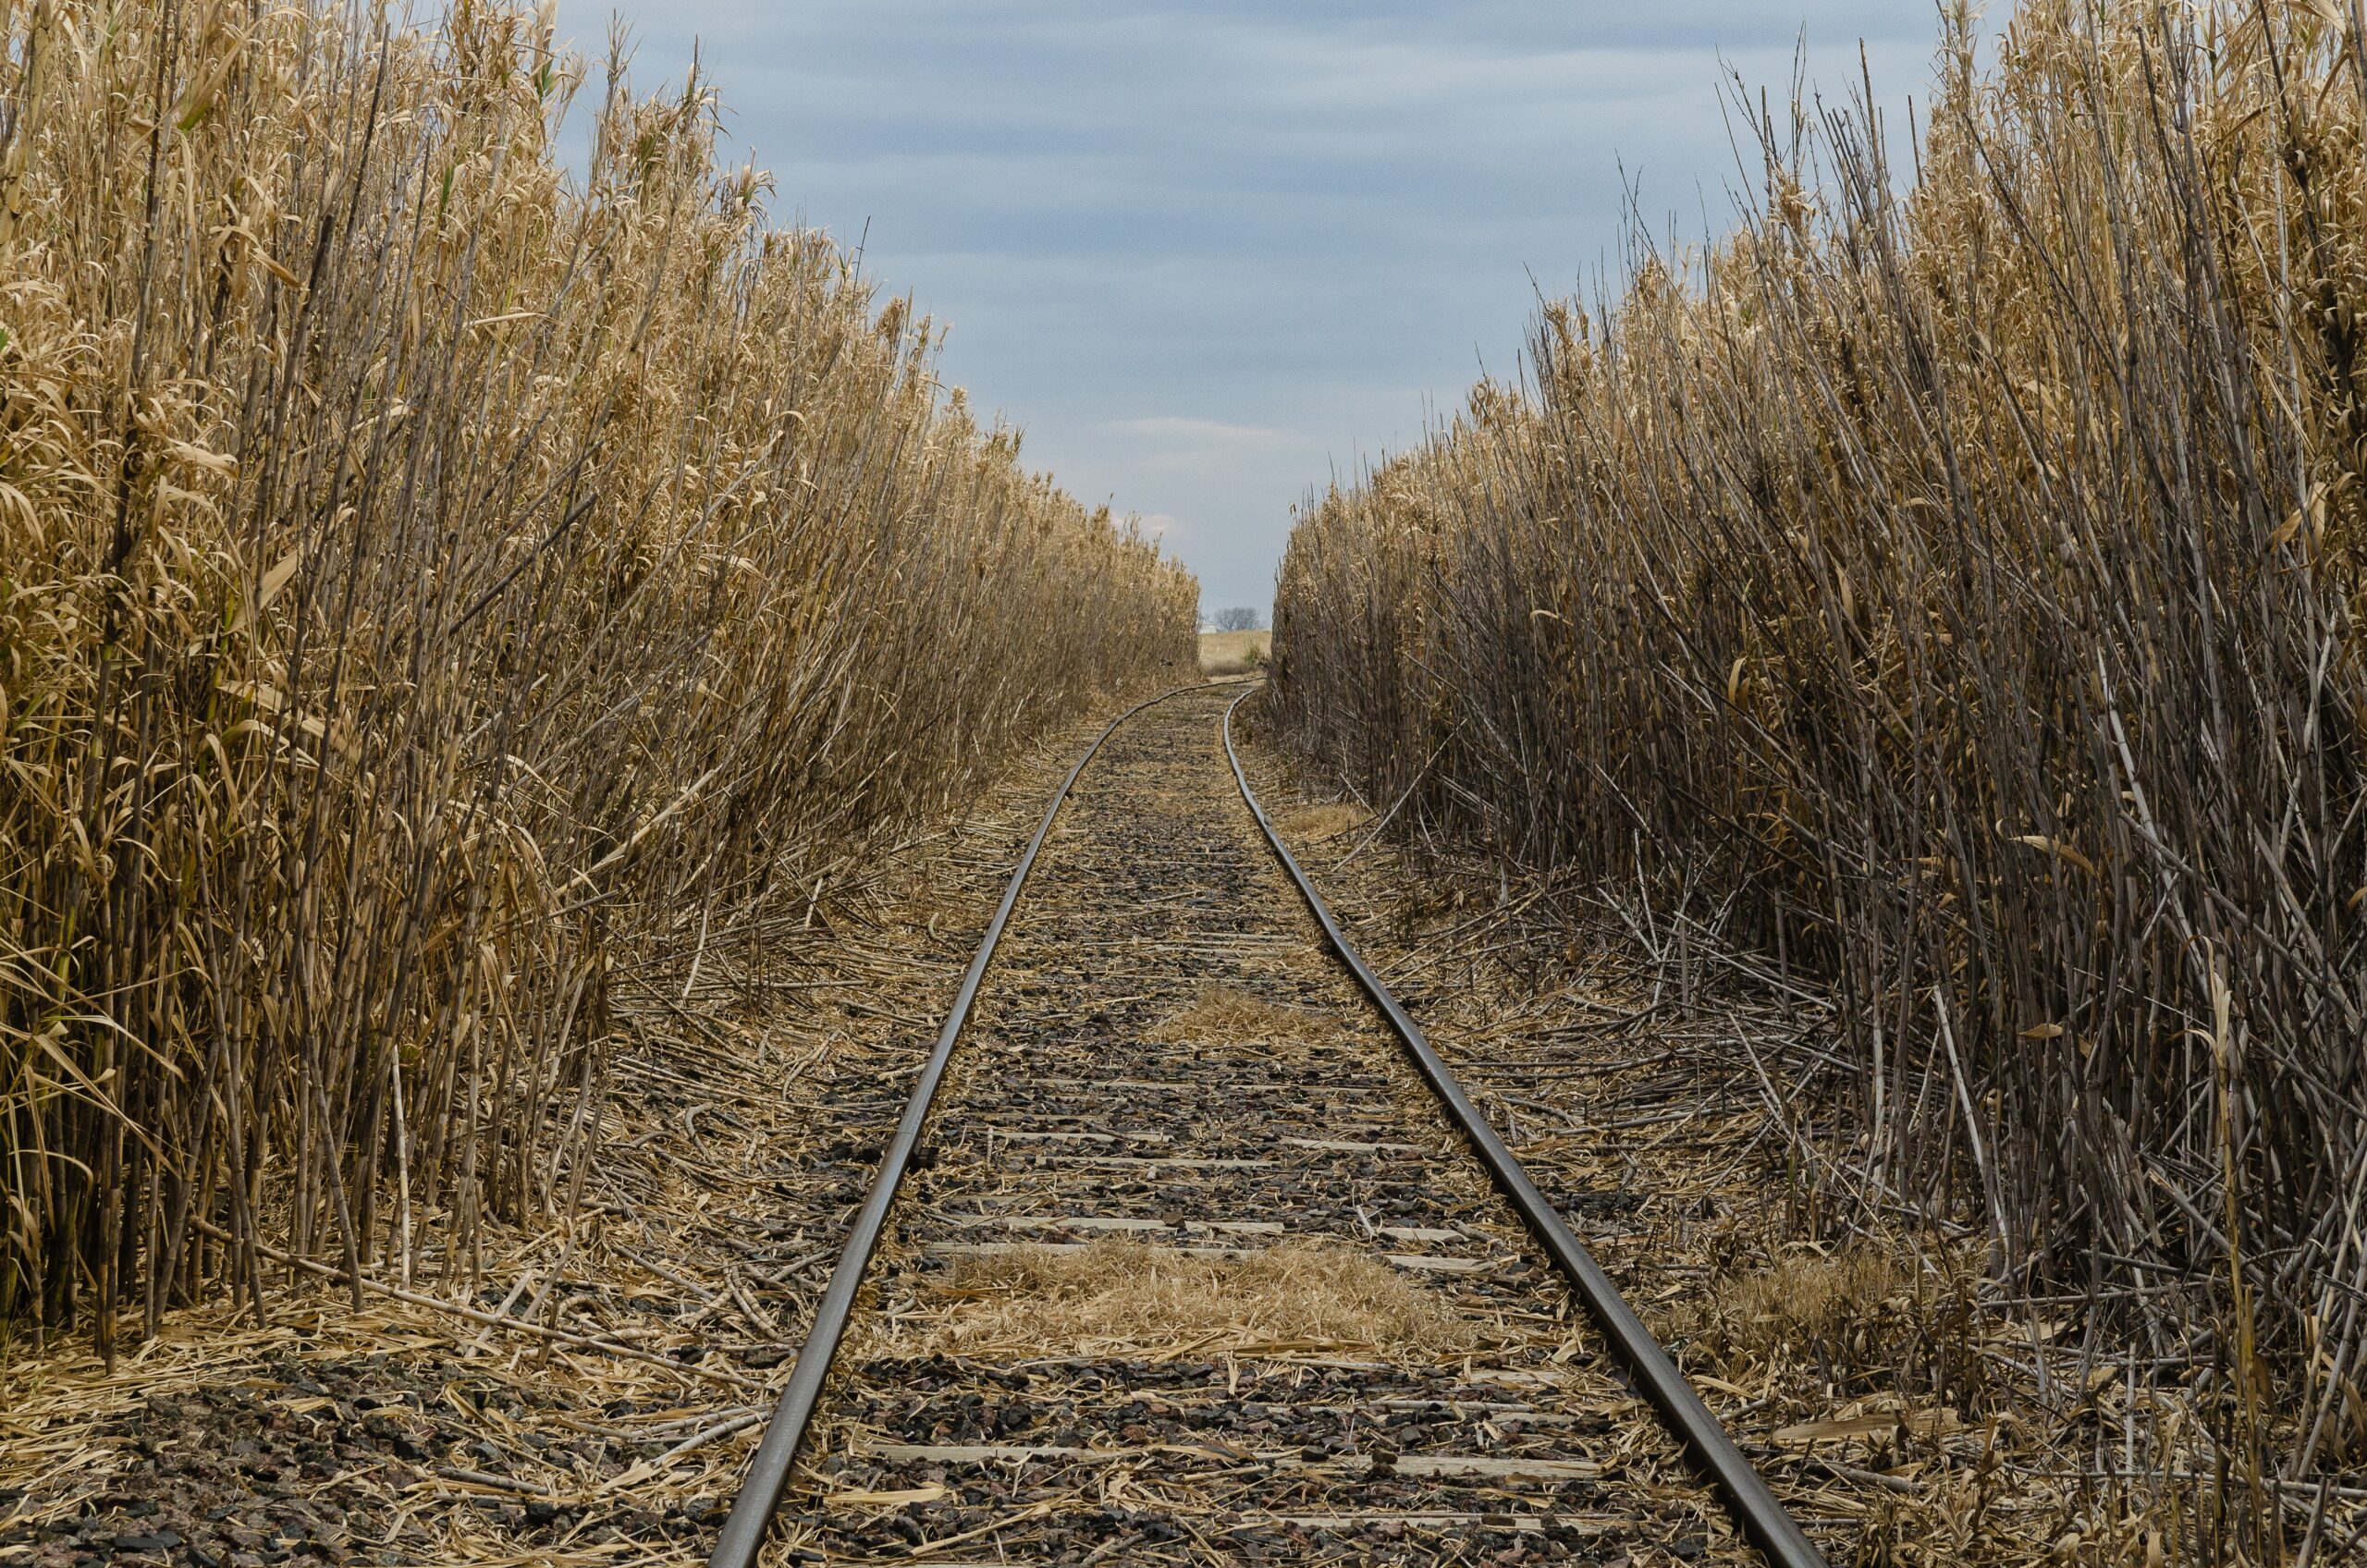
x=1950 y=582
x=439 y=592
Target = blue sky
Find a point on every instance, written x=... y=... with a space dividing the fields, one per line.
x=1208 y=254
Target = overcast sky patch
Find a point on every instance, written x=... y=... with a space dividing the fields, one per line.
x=1209 y=255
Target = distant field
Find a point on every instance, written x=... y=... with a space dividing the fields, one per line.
x=1232 y=652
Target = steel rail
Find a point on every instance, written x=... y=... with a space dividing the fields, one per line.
x=1763 y=1519
x=769 y=1471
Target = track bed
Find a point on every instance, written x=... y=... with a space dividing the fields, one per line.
x=1191 y=1268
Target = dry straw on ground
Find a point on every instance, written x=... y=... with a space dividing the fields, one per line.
x=448 y=604
x=1951 y=580
x=1226 y=1015
x=1122 y=1297
x=1327 y=821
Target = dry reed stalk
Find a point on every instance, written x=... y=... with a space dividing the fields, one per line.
x=1955 y=579
x=443 y=603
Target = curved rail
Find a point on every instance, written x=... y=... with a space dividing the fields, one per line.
x=1762 y=1518
x=744 y=1530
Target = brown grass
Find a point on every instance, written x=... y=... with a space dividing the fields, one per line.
x=1126 y=1297
x=1861 y=1320
x=1327 y=821
x=1234 y=653
x=447 y=606
x=1223 y=1015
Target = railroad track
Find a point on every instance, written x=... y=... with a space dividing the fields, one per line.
x=1190 y=1250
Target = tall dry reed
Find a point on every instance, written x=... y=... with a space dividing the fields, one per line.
x=1954 y=576
x=438 y=594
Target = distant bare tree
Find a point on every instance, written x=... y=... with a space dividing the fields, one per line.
x=1239 y=617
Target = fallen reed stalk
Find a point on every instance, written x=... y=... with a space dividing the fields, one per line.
x=441 y=595
x=1955 y=579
